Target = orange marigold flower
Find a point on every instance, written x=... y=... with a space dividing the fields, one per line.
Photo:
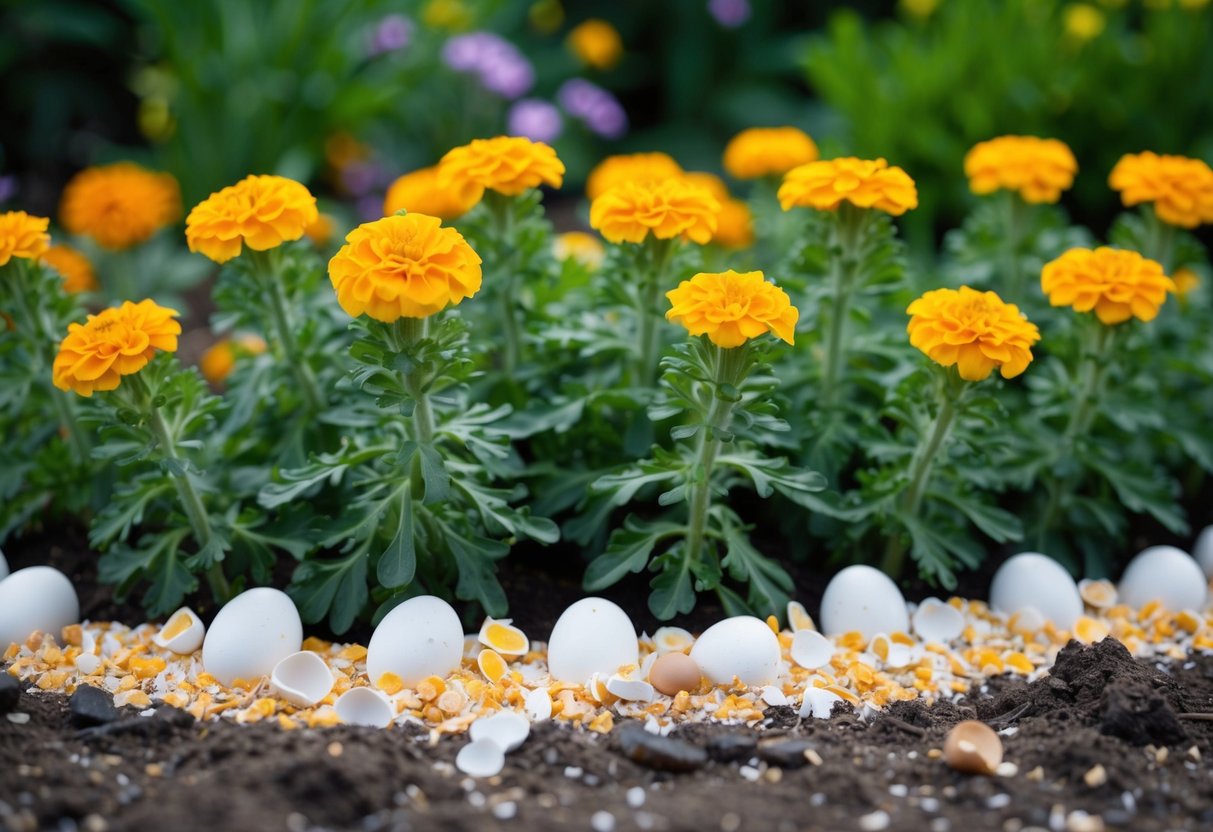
x=666 y=209
x=1117 y=284
x=865 y=183
x=641 y=168
x=261 y=212
x=320 y=230
x=1186 y=282
x=731 y=308
x=403 y=267
x=768 y=151
x=119 y=205
x=1180 y=188
x=23 y=235
x=976 y=331
x=419 y=192
x=75 y=269
x=734 y=225
x=220 y=359
x=114 y=343
x=508 y=165
x=585 y=248
x=1037 y=169
x=596 y=43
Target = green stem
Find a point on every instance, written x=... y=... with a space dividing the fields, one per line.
x=849 y=227
x=1160 y=244
x=1013 y=231
x=728 y=370
x=501 y=209
x=284 y=333
x=409 y=331
x=649 y=299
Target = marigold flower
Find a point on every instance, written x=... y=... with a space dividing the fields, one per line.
x=261 y=212
x=641 y=168
x=1180 y=188
x=508 y=165
x=114 y=343
x=1186 y=282
x=75 y=269
x=1083 y=21
x=1037 y=169
x=734 y=223
x=220 y=359
x=768 y=151
x=865 y=183
x=23 y=235
x=419 y=192
x=403 y=267
x=666 y=209
x=119 y=205
x=320 y=230
x=731 y=308
x=585 y=248
x=976 y=331
x=596 y=43
x=1117 y=284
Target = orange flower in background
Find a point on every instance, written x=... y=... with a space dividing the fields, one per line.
x=640 y=168
x=666 y=209
x=976 y=331
x=1037 y=169
x=119 y=205
x=113 y=343
x=508 y=165
x=1117 y=284
x=596 y=43
x=865 y=183
x=419 y=192
x=320 y=230
x=1186 y=282
x=734 y=223
x=75 y=269
x=261 y=212
x=23 y=235
x=731 y=308
x=403 y=267
x=1180 y=188
x=768 y=151
x=585 y=248
x=220 y=359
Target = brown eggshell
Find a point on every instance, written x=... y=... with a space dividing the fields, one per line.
x=674 y=672
x=972 y=748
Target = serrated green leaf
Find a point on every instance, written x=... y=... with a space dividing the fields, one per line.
x=398 y=563
x=628 y=551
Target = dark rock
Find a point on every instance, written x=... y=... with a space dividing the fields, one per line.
x=727 y=748
x=1137 y=713
x=91 y=706
x=660 y=753
x=10 y=693
x=785 y=754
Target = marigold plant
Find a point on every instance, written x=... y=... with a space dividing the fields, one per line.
x=977 y=332
x=1036 y=169
x=597 y=43
x=731 y=308
x=585 y=248
x=508 y=165
x=219 y=360
x=1115 y=283
x=864 y=183
x=75 y=269
x=261 y=212
x=638 y=168
x=768 y=151
x=120 y=205
x=419 y=191
x=1181 y=189
x=23 y=236
x=116 y=342
x=666 y=209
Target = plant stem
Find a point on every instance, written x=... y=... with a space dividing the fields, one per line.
x=728 y=369
x=409 y=331
x=848 y=226
x=649 y=298
x=271 y=285
x=501 y=209
x=1160 y=243
x=1013 y=278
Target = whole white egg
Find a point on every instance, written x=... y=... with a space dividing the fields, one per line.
x=1202 y=551
x=592 y=636
x=419 y=638
x=1166 y=574
x=742 y=646
x=36 y=599
x=864 y=600
x=1033 y=580
x=251 y=634
x=3 y=567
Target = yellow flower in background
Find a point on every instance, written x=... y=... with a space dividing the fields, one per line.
x=113 y=343
x=1186 y=282
x=75 y=269
x=119 y=205
x=596 y=43
x=261 y=212
x=920 y=8
x=585 y=248
x=220 y=359
x=976 y=331
x=666 y=209
x=508 y=165
x=640 y=168
x=865 y=183
x=1037 y=169
x=403 y=267
x=1083 y=22
x=734 y=223
x=419 y=192
x=768 y=151
x=1180 y=188
x=23 y=235
x=731 y=308
x=447 y=14
x=1116 y=283
x=320 y=230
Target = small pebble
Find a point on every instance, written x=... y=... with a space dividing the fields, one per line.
x=505 y=810
x=786 y=754
x=1096 y=777
x=660 y=753
x=727 y=748
x=18 y=718
x=602 y=822
x=999 y=801
x=749 y=773
x=875 y=821
x=91 y=706
x=899 y=790
x=635 y=797
x=10 y=693
x=730 y=822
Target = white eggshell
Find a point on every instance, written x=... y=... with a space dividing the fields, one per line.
x=302 y=678
x=670 y=639
x=422 y=637
x=742 y=646
x=630 y=689
x=811 y=650
x=3 y=567
x=252 y=633
x=480 y=758
x=865 y=600
x=817 y=703
x=539 y=704
x=1166 y=574
x=1033 y=580
x=36 y=599
x=364 y=706
x=507 y=729
x=774 y=696
x=592 y=636
x=1202 y=551
x=186 y=641
x=935 y=620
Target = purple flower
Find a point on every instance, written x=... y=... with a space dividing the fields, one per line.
x=730 y=13
x=359 y=177
x=498 y=64
x=538 y=120
x=589 y=102
x=369 y=207
x=393 y=32
x=8 y=188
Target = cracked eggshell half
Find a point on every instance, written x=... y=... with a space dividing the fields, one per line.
x=421 y=637
x=182 y=633
x=251 y=634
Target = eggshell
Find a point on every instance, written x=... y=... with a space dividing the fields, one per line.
x=421 y=637
x=3 y=567
x=480 y=758
x=811 y=650
x=364 y=706
x=36 y=599
x=668 y=639
x=302 y=678
x=972 y=747
x=538 y=704
x=742 y=647
x=630 y=689
x=187 y=639
x=506 y=728
x=936 y=621
x=1033 y=580
x=817 y=703
x=674 y=672
x=1202 y=550
x=251 y=634
x=864 y=600
x=591 y=636
x=1166 y=574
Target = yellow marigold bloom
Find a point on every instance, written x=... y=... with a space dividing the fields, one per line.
x=114 y=343
x=1117 y=284
x=976 y=331
x=1186 y=282
x=1180 y=188
x=1037 y=169
x=447 y=14
x=403 y=267
x=768 y=151
x=23 y=235
x=508 y=165
x=640 y=168
x=865 y=183
x=320 y=230
x=585 y=248
x=1083 y=21
x=731 y=308
x=220 y=359
x=666 y=209
x=596 y=43
x=419 y=192
x=261 y=212
x=119 y=205
x=73 y=267
x=734 y=225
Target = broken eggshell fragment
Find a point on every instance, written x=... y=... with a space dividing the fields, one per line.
x=480 y=758
x=817 y=703
x=302 y=679
x=364 y=706
x=811 y=650
x=672 y=639
x=508 y=729
x=972 y=747
x=937 y=621
x=182 y=633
